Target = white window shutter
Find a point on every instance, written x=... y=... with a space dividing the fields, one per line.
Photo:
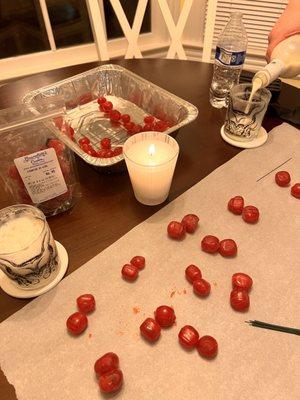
x=259 y=17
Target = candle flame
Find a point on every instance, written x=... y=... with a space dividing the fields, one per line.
x=151 y=150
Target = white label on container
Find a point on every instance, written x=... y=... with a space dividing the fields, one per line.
x=41 y=174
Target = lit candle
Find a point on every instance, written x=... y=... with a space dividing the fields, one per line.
x=151 y=158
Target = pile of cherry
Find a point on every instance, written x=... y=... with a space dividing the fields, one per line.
x=105 y=149
x=164 y=317
x=241 y=283
x=130 y=272
x=107 y=366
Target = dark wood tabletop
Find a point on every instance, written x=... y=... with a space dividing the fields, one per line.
x=107 y=208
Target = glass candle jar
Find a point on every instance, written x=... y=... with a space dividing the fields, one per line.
x=151 y=159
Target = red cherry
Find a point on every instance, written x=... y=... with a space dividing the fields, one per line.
x=107 y=106
x=77 y=323
x=91 y=152
x=128 y=126
x=102 y=153
x=176 y=230
x=228 y=248
x=58 y=121
x=13 y=173
x=169 y=124
x=57 y=145
x=86 y=147
x=241 y=281
x=138 y=262
x=160 y=126
x=107 y=363
x=239 y=300
x=165 y=316
x=86 y=303
x=125 y=118
x=150 y=330
x=282 y=178
x=130 y=272
x=65 y=168
x=236 y=205
x=210 y=244
x=69 y=131
x=201 y=287
x=111 y=381
x=71 y=104
x=192 y=273
x=207 y=347
x=135 y=129
x=149 y=119
x=83 y=140
x=250 y=214
x=109 y=153
x=101 y=100
x=295 y=190
x=147 y=128
x=117 y=151
x=190 y=221
x=188 y=337
x=114 y=115
x=105 y=143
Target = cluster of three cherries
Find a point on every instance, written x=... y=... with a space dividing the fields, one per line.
x=188 y=336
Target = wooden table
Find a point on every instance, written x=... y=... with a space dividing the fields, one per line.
x=107 y=208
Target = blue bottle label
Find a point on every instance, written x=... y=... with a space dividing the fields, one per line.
x=231 y=58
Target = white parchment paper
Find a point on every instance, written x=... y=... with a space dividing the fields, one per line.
x=43 y=362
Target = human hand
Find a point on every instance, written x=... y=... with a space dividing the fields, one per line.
x=287 y=25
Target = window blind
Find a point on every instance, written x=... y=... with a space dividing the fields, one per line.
x=259 y=17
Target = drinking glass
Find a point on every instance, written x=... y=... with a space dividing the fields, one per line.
x=28 y=253
x=243 y=118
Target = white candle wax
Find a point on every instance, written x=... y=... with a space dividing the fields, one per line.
x=151 y=158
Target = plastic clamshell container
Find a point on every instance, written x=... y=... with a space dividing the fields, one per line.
x=48 y=179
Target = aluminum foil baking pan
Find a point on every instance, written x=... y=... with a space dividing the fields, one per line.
x=129 y=93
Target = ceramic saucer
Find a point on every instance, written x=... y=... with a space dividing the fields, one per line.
x=258 y=141
x=8 y=286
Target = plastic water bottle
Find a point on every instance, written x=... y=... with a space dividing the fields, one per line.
x=229 y=59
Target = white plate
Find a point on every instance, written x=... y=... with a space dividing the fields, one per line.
x=8 y=286
x=258 y=141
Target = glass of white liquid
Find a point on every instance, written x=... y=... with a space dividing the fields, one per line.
x=28 y=253
x=244 y=118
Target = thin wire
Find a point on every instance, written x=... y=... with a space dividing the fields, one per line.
x=274 y=169
x=279 y=328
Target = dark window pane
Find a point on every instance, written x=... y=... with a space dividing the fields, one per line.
x=113 y=27
x=22 y=29
x=70 y=22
